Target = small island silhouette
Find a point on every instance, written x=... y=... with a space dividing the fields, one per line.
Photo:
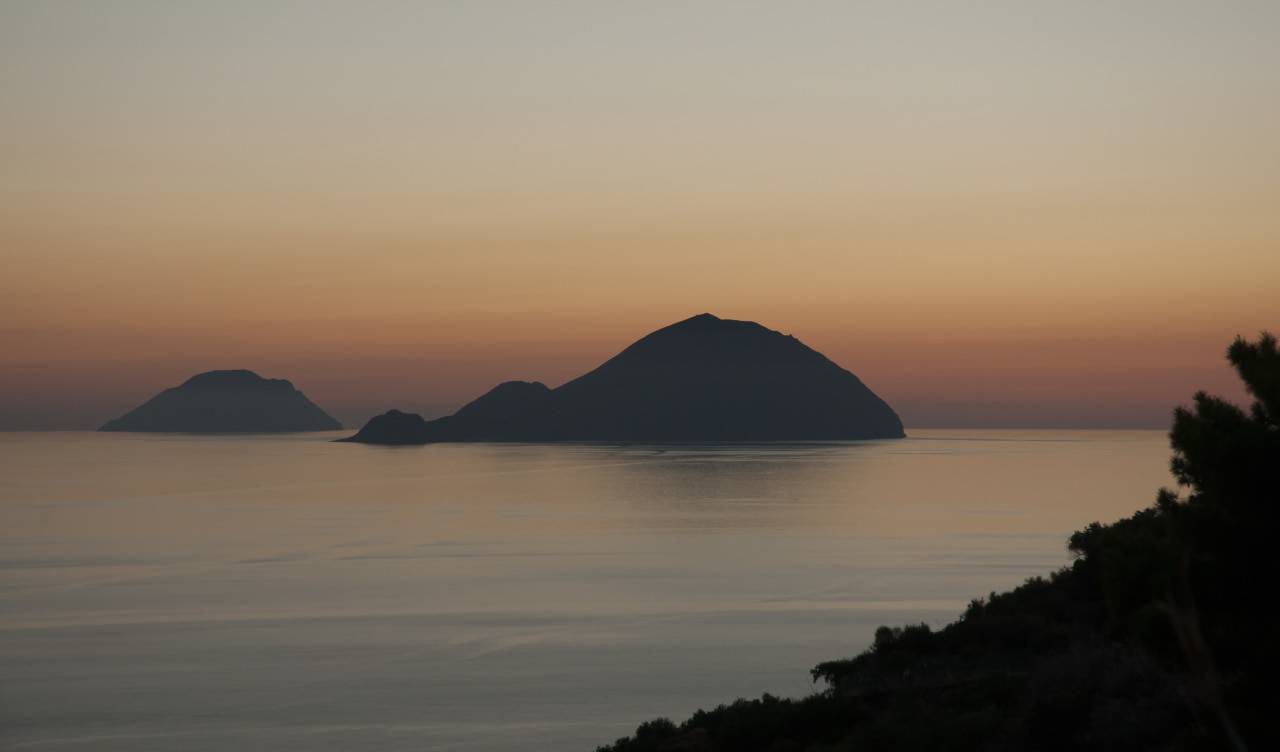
x=236 y=401
x=701 y=379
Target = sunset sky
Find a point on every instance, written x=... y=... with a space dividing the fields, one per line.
x=996 y=214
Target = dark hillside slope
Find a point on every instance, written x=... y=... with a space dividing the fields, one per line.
x=1160 y=635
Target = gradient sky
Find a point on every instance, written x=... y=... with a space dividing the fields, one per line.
x=996 y=214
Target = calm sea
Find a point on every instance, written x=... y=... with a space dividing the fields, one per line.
x=286 y=593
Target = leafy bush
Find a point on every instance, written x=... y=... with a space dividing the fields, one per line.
x=1160 y=635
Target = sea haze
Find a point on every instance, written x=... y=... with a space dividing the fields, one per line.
x=164 y=592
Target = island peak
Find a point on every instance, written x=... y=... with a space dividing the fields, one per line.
x=701 y=379
x=226 y=401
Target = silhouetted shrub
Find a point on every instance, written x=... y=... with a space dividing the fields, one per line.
x=1158 y=636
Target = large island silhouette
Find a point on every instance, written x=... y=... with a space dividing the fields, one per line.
x=236 y=401
x=701 y=379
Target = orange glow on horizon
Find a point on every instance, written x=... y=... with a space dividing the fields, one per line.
x=1004 y=218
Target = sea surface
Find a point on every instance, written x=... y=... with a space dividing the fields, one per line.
x=165 y=592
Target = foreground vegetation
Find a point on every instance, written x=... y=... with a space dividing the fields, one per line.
x=1160 y=635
